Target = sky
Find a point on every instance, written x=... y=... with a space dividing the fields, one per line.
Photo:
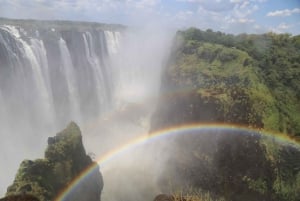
x=230 y=16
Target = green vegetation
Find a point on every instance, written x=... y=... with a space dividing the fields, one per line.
x=195 y=195
x=249 y=80
x=286 y=165
x=258 y=185
x=22 y=197
x=258 y=71
x=65 y=158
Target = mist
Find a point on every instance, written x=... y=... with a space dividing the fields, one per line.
x=107 y=78
x=111 y=107
x=138 y=65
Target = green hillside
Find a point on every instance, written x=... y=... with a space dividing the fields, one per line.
x=252 y=79
x=248 y=80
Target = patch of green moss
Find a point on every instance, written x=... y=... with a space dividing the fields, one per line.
x=258 y=185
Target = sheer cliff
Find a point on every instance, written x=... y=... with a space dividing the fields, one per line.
x=246 y=82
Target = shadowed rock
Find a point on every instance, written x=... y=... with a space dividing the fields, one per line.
x=164 y=197
x=23 y=197
x=65 y=158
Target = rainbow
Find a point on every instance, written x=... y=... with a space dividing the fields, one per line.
x=139 y=141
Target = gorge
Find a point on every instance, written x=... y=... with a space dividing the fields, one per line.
x=191 y=112
x=54 y=72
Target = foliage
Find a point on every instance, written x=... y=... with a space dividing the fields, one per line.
x=286 y=164
x=265 y=67
x=23 y=197
x=65 y=158
x=258 y=185
x=267 y=64
x=250 y=80
x=195 y=195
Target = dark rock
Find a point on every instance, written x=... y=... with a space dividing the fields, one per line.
x=65 y=158
x=22 y=197
x=164 y=197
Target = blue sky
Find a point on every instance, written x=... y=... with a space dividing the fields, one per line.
x=231 y=16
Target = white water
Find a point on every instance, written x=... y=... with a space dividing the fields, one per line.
x=29 y=113
x=95 y=64
x=43 y=91
x=69 y=74
x=113 y=41
x=40 y=69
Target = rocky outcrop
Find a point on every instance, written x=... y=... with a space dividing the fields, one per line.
x=20 y=198
x=65 y=158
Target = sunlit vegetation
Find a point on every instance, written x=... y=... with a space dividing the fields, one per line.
x=263 y=69
x=249 y=80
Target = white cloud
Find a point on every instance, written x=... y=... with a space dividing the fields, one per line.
x=283 y=13
x=241 y=20
x=282 y=28
x=184 y=15
x=232 y=16
x=236 y=1
x=235 y=20
x=144 y=3
x=108 y=11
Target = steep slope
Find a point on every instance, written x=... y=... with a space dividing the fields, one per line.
x=244 y=79
x=216 y=78
x=65 y=158
x=214 y=84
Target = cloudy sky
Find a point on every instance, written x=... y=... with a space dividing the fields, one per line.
x=232 y=16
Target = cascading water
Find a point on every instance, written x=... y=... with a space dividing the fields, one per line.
x=52 y=73
x=48 y=77
x=68 y=71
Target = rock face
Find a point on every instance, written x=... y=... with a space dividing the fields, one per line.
x=208 y=80
x=20 y=198
x=70 y=60
x=214 y=77
x=65 y=158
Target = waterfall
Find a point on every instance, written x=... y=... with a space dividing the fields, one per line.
x=94 y=62
x=69 y=74
x=63 y=75
x=52 y=73
x=113 y=39
x=50 y=76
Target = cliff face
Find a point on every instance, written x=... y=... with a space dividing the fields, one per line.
x=20 y=198
x=65 y=158
x=52 y=72
x=212 y=77
x=208 y=82
x=65 y=65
